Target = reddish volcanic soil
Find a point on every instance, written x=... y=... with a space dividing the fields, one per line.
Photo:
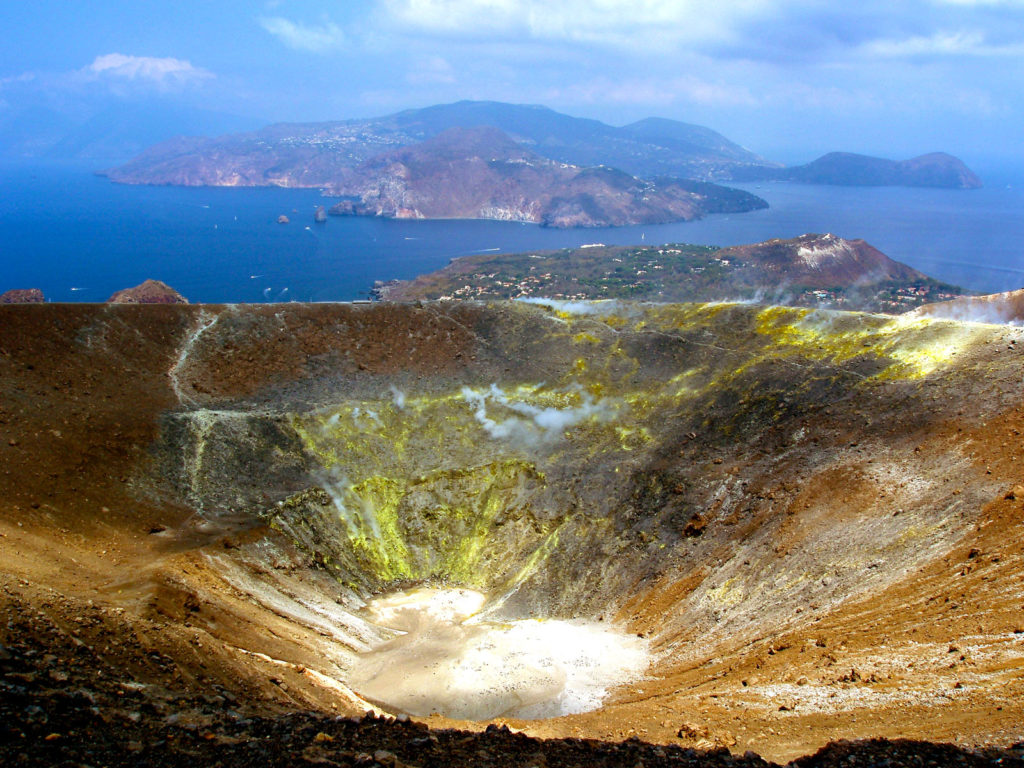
x=122 y=642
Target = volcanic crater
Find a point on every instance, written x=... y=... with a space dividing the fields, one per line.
x=700 y=525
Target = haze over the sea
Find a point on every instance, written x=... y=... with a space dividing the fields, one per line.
x=789 y=79
x=79 y=237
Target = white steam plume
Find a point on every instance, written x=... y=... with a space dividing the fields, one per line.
x=533 y=424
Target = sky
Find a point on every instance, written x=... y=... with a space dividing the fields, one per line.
x=788 y=79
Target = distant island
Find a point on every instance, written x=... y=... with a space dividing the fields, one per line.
x=490 y=160
x=937 y=169
x=814 y=270
x=314 y=154
x=460 y=173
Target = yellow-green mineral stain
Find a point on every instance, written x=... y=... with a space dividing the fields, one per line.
x=439 y=525
x=369 y=512
x=910 y=348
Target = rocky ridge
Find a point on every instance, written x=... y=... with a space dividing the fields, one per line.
x=823 y=261
x=148 y=292
x=315 y=154
x=63 y=701
x=1007 y=307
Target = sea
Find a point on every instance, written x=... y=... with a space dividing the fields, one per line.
x=79 y=237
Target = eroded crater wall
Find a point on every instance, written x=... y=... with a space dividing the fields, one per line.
x=706 y=475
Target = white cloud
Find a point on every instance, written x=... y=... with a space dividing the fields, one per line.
x=652 y=89
x=24 y=77
x=698 y=91
x=161 y=71
x=432 y=70
x=305 y=37
x=637 y=24
x=941 y=44
x=973 y=3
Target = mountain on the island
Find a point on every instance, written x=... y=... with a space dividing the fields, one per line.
x=315 y=154
x=810 y=271
x=483 y=173
x=32 y=131
x=936 y=169
x=123 y=133
x=821 y=261
x=651 y=147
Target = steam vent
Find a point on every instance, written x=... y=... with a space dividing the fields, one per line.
x=697 y=526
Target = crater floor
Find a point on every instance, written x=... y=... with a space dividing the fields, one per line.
x=800 y=526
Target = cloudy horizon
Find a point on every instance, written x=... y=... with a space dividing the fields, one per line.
x=788 y=79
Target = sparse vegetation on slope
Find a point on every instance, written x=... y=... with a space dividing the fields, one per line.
x=813 y=270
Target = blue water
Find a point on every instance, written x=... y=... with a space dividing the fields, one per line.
x=79 y=237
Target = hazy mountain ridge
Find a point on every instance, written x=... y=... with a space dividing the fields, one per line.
x=810 y=270
x=481 y=173
x=936 y=169
x=112 y=132
x=312 y=154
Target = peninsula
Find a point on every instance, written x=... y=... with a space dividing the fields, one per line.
x=810 y=271
x=481 y=173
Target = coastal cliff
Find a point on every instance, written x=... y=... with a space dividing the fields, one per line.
x=481 y=173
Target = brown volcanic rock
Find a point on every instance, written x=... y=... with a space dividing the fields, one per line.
x=148 y=292
x=22 y=296
x=482 y=173
x=123 y=639
x=823 y=260
x=122 y=643
x=1005 y=307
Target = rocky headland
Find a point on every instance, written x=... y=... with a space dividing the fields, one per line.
x=937 y=169
x=22 y=296
x=148 y=292
x=822 y=261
